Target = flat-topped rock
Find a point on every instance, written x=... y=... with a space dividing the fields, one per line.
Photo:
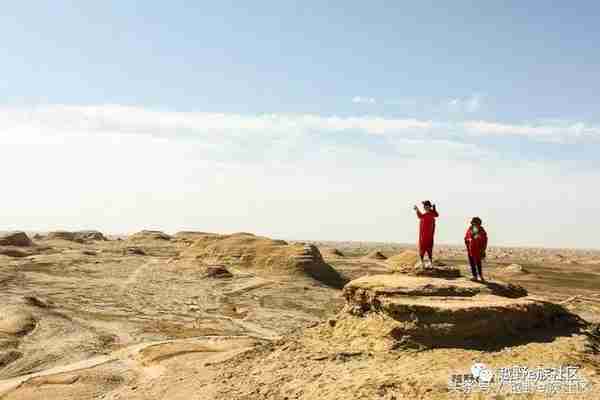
x=408 y=262
x=435 y=271
x=406 y=285
x=435 y=312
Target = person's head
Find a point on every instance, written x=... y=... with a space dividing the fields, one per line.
x=427 y=205
x=476 y=221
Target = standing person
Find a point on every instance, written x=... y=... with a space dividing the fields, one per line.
x=476 y=241
x=426 y=230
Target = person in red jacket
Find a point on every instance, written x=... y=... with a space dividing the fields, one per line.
x=476 y=241
x=426 y=229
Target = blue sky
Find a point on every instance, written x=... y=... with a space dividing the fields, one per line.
x=489 y=108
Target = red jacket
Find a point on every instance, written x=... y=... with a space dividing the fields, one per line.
x=427 y=226
x=476 y=243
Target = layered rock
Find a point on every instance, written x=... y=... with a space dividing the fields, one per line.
x=17 y=239
x=189 y=237
x=264 y=255
x=437 y=271
x=16 y=252
x=77 y=236
x=192 y=234
x=16 y=244
x=408 y=262
x=436 y=312
x=149 y=235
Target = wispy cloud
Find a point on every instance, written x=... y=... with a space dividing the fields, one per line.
x=456 y=105
x=363 y=100
x=558 y=132
x=212 y=127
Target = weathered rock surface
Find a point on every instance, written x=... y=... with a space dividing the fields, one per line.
x=192 y=234
x=514 y=269
x=149 y=235
x=17 y=252
x=333 y=252
x=447 y=312
x=77 y=236
x=405 y=259
x=436 y=270
x=265 y=256
x=408 y=262
x=18 y=239
x=134 y=251
x=17 y=245
x=376 y=255
x=114 y=325
x=217 y=271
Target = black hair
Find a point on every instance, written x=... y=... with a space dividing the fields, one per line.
x=476 y=220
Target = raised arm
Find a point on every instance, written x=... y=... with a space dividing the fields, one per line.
x=434 y=210
x=419 y=215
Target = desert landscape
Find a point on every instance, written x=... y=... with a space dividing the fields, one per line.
x=299 y=200
x=196 y=315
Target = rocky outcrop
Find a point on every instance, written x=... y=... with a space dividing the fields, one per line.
x=189 y=237
x=376 y=255
x=408 y=262
x=16 y=252
x=134 y=251
x=435 y=270
x=89 y=236
x=263 y=255
x=77 y=236
x=436 y=312
x=217 y=272
x=149 y=235
x=513 y=269
x=192 y=234
x=17 y=244
x=332 y=252
x=17 y=238
x=407 y=258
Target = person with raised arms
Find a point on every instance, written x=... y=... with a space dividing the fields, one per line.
x=426 y=230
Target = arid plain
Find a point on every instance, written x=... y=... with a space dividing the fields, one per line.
x=205 y=316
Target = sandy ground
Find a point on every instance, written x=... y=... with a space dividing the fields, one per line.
x=97 y=321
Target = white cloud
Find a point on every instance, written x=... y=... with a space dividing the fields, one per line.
x=214 y=127
x=558 y=132
x=363 y=100
x=298 y=176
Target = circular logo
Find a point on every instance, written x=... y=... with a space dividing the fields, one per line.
x=486 y=375
x=481 y=372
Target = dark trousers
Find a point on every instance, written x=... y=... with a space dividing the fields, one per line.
x=475 y=267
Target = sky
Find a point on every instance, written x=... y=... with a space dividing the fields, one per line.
x=302 y=120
